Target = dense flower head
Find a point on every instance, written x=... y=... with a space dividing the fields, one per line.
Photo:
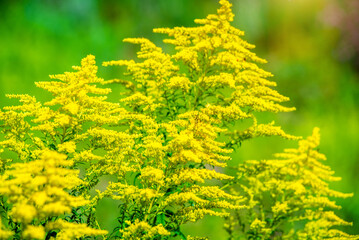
x=292 y=189
x=60 y=127
x=37 y=190
x=165 y=144
x=191 y=96
x=212 y=71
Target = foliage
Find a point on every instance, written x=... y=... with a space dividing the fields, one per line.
x=165 y=144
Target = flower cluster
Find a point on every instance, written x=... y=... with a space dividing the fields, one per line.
x=189 y=98
x=291 y=190
x=37 y=193
x=165 y=144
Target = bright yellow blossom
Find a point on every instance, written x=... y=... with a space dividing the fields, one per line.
x=165 y=144
x=293 y=188
x=34 y=232
x=37 y=191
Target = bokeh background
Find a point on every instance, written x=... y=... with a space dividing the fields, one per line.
x=312 y=47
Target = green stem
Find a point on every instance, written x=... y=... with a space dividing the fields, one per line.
x=151 y=204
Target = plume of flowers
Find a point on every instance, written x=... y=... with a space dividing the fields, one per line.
x=38 y=200
x=191 y=96
x=287 y=192
x=165 y=144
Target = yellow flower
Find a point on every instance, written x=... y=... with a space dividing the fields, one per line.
x=257 y=224
x=142 y=230
x=23 y=212
x=298 y=184
x=34 y=232
x=70 y=230
x=72 y=107
x=37 y=191
x=69 y=147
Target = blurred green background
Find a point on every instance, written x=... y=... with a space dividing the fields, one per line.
x=312 y=47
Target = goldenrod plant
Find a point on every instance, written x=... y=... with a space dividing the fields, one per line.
x=165 y=144
x=37 y=193
x=286 y=193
